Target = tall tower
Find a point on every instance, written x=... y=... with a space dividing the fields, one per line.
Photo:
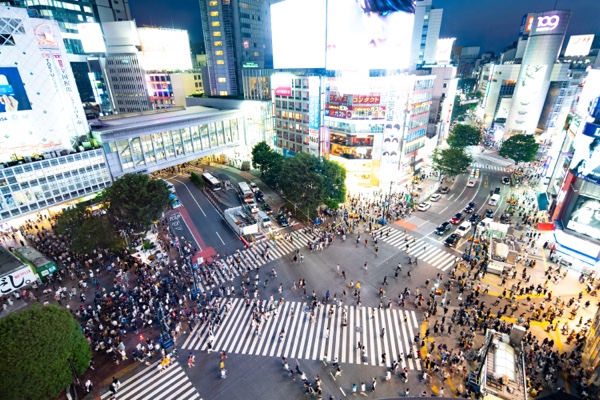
x=543 y=47
x=237 y=34
x=426 y=32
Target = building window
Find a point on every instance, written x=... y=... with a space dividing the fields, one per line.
x=219 y=52
x=223 y=93
x=218 y=44
x=214 y=13
x=256 y=54
x=214 y=3
x=220 y=62
x=217 y=33
x=216 y=23
x=222 y=80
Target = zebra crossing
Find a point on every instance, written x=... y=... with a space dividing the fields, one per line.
x=171 y=384
x=423 y=250
x=254 y=255
x=489 y=167
x=313 y=338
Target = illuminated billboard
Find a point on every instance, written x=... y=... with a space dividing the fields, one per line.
x=579 y=45
x=586 y=158
x=369 y=34
x=91 y=38
x=298 y=34
x=165 y=49
x=585 y=217
x=40 y=108
x=443 y=53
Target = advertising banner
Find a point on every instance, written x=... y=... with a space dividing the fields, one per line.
x=314 y=110
x=579 y=45
x=40 y=108
x=390 y=152
x=335 y=99
x=585 y=217
x=360 y=99
x=367 y=34
x=16 y=280
x=283 y=91
x=586 y=158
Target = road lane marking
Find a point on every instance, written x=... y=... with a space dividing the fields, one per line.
x=220 y=237
x=188 y=189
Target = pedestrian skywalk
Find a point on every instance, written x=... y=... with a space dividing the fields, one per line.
x=262 y=252
x=422 y=249
x=170 y=384
x=315 y=338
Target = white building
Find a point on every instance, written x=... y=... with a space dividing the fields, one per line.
x=426 y=32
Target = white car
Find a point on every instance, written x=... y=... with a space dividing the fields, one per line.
x=424 y=206
x=463 y=229
x=471 y=183
x=435 y=197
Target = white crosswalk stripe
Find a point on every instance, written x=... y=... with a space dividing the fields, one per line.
x=420 y=248
x=173 y=383
x=490 y=167
x=254 y=255
x=305 y=339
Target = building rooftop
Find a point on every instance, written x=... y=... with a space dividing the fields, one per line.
x=119 y=122
x=8 y=262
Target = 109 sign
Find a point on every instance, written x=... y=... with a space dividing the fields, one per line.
x=547 y=23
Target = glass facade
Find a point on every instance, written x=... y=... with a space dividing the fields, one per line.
x=36 y=185
x=155 y=149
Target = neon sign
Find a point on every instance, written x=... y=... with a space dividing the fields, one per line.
x=547 y=23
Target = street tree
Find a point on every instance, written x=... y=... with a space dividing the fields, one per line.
x=301 y=182
x=88 y=231
x=463 y=136
x=520 y=148
x=334 y=176
x=136 y=200
x=451 y=161
x=38 y=346
x=268 y=162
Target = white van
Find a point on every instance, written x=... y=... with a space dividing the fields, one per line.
x=264 y=219
x=253 y=207
x=494 y=200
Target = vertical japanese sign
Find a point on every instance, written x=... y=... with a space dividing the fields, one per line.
x=314 y=113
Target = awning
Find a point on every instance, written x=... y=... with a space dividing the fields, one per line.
x=546 y=226
x=542 y=200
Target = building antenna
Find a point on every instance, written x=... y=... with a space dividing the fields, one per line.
x=555 y=4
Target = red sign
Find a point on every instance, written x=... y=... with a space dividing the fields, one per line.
x=283 y=91
x=338 y=99
x=359 y=99
x=246 y=44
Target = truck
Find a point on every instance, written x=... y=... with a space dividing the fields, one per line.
x=240 y=221
x=14 y=273
x=42 y=265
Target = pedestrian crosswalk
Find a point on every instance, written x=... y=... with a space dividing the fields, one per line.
x=313 y=338
x=420 y=248
x=170 y=384
x=260 y=253
x=490 y=167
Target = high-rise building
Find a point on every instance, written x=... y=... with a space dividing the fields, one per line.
x=237 y=35
x=426 y=32
x=69 y=14
x=547 y=32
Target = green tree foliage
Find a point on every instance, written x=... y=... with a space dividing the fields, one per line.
x=335 y=186
x=36 y=345
x=136 y=200
x=301 y=181
x=451 y=161
x=464 y=135
x=268 y=162
x=459 y=111
x=197 y=180
x=520 y=148
x=87 y=231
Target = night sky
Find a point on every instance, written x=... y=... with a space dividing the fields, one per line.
x=491 y=24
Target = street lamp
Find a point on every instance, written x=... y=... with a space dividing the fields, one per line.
x=467 y=255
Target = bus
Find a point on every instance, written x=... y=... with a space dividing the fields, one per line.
x=211 y=181
x=41 y=264
x=247 y=194
x=175 y=202
x=169 y=186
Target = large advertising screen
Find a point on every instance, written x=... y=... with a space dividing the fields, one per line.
x=585 y=217
x=40 y=108
x=91 y=37
x=579 y=45
x=165 y=49
x=586 y=158
x=298 y=33
x=369 y=34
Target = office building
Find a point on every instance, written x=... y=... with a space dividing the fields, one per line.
x=46 y=155
x=237 y=35
x=426 y=32
x=442 y=100
x=467 y=60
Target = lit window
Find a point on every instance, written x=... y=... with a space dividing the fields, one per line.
x=220 y=62
x=214 y=13
x=223 y=93
x=216 y=23
x=218 y=44
x=222 y=80
x=217 y=33
x=219 y=52
x=256 y=54
x=213 y=3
